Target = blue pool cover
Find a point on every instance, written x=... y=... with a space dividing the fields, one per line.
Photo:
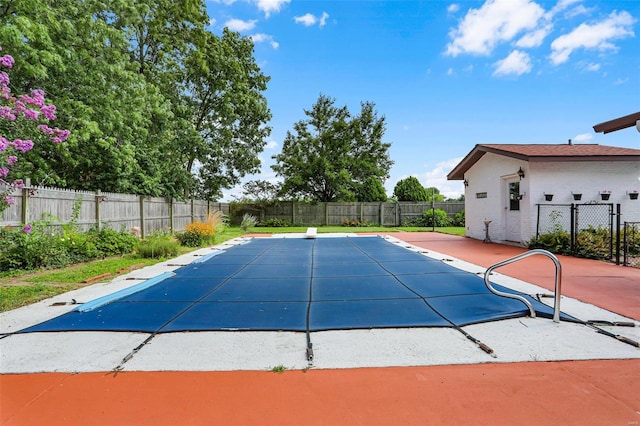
x=301 y=285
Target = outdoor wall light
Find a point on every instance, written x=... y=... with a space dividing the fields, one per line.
x=521 y=173
x=466 y=182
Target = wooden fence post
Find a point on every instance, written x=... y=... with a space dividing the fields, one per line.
x=26 y=193
x=293 y=213
x=142 y=233
x=98 y=199
x=326 y=213
x=192 y=211
x=171 y=213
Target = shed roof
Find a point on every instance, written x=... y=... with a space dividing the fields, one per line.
x=618 y=123
x=545 y=153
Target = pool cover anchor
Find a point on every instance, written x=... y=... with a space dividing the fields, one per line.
x=310 y=352
x=615 y=336
x=486 y=348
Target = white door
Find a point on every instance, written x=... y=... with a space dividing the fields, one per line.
x=512 y=208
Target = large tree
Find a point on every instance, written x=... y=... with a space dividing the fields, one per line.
x=227 y=110
x=157 y=105
x=332 y=154
x=410 y=189
x=71 y=51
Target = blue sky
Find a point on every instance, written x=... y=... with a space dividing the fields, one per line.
x=447 y=74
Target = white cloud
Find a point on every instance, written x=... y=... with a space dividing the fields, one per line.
x=495 y=22
x=437 y=177
x=534 y=38
x=265 y=38
x=240 y=25
x=269 y=6
x=309 y=20
x=517 y=63
x=577 y=11
x=450 y=71
x=323 y=19
x=620 y=81
x=595 y=36
x=453 y=8
x=592 y=67
x=271 y=145
x=560 y=6
x=583 y=137
x=212 y=22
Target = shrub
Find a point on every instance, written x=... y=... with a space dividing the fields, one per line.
x=355 y=223
x=157 y=248
x=196 y=234
x=427 y=219
x=217 y=220
x=458 y=219
x=593 y=243
x=248 y=222
x=34 y=246
x=274 y=223
x=109 y=242
x=558 y=242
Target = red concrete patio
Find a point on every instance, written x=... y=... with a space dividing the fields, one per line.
x=600 y=392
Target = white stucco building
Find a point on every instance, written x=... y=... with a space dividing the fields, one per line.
x=505 y=183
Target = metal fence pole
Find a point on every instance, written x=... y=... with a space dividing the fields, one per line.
x=617 y=234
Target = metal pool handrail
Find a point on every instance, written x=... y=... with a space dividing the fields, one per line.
x=558 y=283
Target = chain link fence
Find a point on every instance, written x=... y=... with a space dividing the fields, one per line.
x=631 y=244
x=583 y=230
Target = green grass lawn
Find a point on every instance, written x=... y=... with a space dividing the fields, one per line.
x=23 y=288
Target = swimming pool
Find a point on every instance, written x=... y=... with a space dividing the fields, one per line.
x=297 y=284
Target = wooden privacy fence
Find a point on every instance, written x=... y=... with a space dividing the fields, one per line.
x=378 y=213
x=126 y=211
x=95 y=209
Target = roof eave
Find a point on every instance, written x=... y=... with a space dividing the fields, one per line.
x=617 y=123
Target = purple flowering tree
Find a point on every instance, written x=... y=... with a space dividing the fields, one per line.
x=23 y=118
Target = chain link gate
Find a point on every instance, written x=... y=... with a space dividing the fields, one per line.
x=589 y=228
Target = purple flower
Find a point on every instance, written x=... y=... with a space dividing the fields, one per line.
x=48 y=112
x=18 y=184
x=23 y=146
x=31 y=114
x=5 y=112
x=11 y=160
x=8 y=200
x=61 y=135
x=4 y=143
x=45 y=129
x=27 y=228
x=7 y=61
x=4 y=171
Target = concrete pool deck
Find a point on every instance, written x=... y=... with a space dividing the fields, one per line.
x=411 y=376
